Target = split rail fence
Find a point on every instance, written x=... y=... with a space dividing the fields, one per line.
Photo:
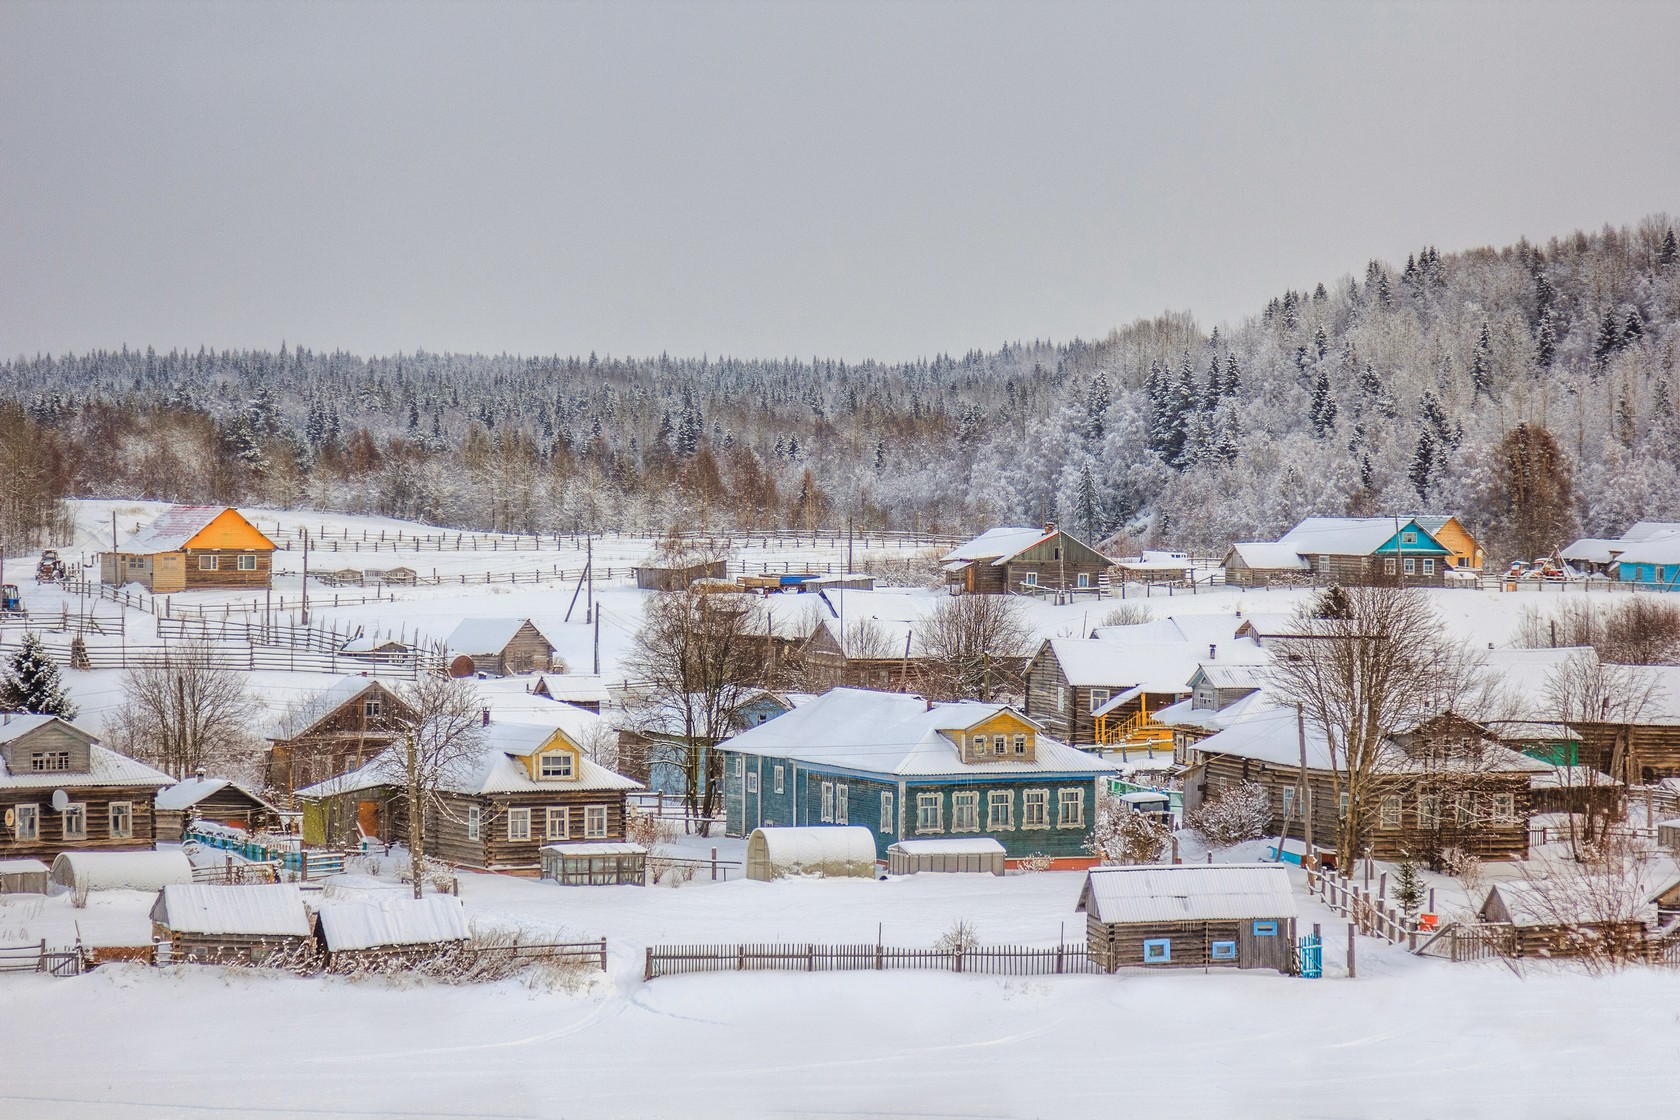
x=1370 y=913
x=989 y=960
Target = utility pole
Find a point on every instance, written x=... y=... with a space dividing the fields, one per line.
x=305 y=607
x=597 y=643
x=1306 y=809
x=589 y=570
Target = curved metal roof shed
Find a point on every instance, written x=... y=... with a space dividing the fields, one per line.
x=841 y=851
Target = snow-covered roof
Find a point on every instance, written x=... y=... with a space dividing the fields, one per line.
x=1203 y=629
x=21 y=866
x=1153 y=666
x=493 y=768
x=135 y=871
x=956 y=846
x=1183 y=714
x=304 y=717
x=897 y=733
x=242 y=910
x=1271 y=735
x=349 y=924
x=1593 y=550
x=1571 y=777
x=1646 y=530
x=1351 y=536
x=1661 y=549
x=595 y=848
x=487 y=635
x=173 y=528
x=576 y=688
x=1187 y=893
x=105 y=768
x=1529 y=904
x=998 y=545
x=1268 y=556
x=190 y=791
x=1222 y=674
x=15 y=725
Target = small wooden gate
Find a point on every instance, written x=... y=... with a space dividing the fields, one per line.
x=1310 y=954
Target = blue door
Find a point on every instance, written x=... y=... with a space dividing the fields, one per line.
x=1310 y=951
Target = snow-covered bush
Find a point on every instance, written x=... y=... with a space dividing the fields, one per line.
x=1241 y=813
x=1124 y=836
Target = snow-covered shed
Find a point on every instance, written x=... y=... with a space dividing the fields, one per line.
x=110 y=871
x=974 y=855
x=23 y=876
x=1572 y=917
x=220 y=800
x=835 y=851
x=246 y=922
x=602 y=863
x=355 y=931
x=499 y=646
x=1190 y=916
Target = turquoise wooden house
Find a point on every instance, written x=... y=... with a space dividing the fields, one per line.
x=907 y=769
x=1363 y=550
x=1651 y=563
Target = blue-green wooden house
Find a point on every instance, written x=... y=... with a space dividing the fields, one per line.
x=907 y=769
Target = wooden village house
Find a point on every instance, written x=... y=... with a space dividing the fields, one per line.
x=60 y=790
x=499 y=647
x=192 y=548
x=250 y=922
x=906 y=769
x=1025 y=561
x=1445 y=784
x=1345 y=550
x=526 y=786
x=1189 y=916
x=334 y=732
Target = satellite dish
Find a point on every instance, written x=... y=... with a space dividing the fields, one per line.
x=60 y=801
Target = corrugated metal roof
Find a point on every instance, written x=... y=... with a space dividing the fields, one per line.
x=246 y=910
x=1268 y=555
x=105 y=768
x=190 y=791
x=174 y=527
x=372 y=924
x=998 y=544
x=1188 y=893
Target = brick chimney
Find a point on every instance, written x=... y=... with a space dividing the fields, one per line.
x=486 y=717
x=1213 y=651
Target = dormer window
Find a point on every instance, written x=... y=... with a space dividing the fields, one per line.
x=1408 y=538
x=1020 y=744
x=370 y=707
x=979 y=744
x=49 y=760
x=555 y=764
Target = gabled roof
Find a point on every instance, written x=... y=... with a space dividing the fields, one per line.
x=105 y=768
x=246 y=910
x=315 y=710
x=1268 y=556
x=1358 y=536
x=1185 y=714
x=15 y=725
x=190 y=791
x=1203 y=629
x=1154 y=666
x=488 y=635
x=177 y=525
x=897 y=733
x=998 y=544
x=1187 y=893
x=1272 y=735
x=1661 y=549
x=1647 y=530
x=493 y=768
x=350 y=924
x=1593 y=550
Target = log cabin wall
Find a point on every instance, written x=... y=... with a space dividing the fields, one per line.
x=227 y=572
x=96 y=802
x=1120 y=944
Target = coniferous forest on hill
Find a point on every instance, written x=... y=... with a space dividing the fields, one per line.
x=1531 y=389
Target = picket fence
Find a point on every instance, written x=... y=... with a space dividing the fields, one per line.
x=990 y=960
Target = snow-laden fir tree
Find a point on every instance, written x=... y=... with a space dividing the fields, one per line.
x=32 y=682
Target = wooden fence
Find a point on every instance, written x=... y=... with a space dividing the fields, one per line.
x=38 y=958
x=242 y=658
x=1370 y=913
x=990 y=960
x=401 y=540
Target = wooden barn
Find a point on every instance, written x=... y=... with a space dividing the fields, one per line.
x=1562 y=920
x=192 y=548
x=60 y=790
x=249 y=922
x=217 y=800
x=1263 y=564
x=334 y=732
x=499 y=647
x=678 y=575
x=1024 y=561
x=526 y=785
x=1190 y=916
x=389 y=932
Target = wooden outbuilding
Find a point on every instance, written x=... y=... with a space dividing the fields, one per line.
x=1190 y=916
x=983 y=856
x=831 y=851
x=217 y=800
x=248 y=922
x=60 y=790
x=191 y=548
x=1345 y=550
x=23 y=876
x=1026 y=561
x=1565 y=920
x=678 y=575
x=389 y=932
x=500 y=647
x=596 y=864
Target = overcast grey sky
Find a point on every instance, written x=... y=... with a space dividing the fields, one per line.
x=849 y=180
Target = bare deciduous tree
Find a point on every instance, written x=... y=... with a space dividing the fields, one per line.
x=975 y=645
x=188 y=712
x=442 y=733
x=1374 y=669
x=693 y=664
x=1587 y=690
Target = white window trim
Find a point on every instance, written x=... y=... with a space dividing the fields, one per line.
x=1061 y=698
x=594 y=822
x=1021 y=744
x=1098 y=697
x=889 y=825
x=996 y=821
x=518 y=824
x=475 y=822
x=1030 y=579
x=542 y=766
x=1411 y=566
x=1388 y=566
x=247 y=563
x=76 y=810
x=842 y=804
x=937 y=801
x=561 y=814
x=752 y=782
x=126 y=809
x=209 y=563
x=1505 y=807
x=1388 y=812
x=21 y=813
x=776 y=773
x=1030 y=798
x=1077 y=800
x=1084 y=579
x=827 y=812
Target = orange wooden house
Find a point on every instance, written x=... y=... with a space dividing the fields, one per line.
x=189 y=548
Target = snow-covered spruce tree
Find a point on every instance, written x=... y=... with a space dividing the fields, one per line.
x=32 y=682
x=1409 y=890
